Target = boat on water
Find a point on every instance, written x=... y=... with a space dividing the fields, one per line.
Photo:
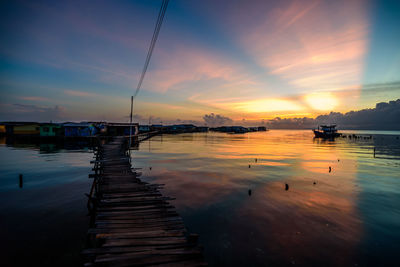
x=326 y=131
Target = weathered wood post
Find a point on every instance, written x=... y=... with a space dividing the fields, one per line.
x=130 y=121
x=21 y=181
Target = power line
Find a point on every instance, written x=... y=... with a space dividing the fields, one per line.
x=157 y=28
x=160 y=19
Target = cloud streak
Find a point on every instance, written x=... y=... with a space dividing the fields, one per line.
x=311 y=44
x=271 y=58
x=34 y=98
x=79 y=93
x=172 y=70
x=22 y=112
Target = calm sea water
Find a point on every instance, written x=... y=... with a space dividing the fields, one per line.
x=347 y=217
x=44 y=223
x=244 y=216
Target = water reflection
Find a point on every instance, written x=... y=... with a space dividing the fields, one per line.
x=46 y=146
x=323 y=219
x=348 y=216
x=44 y=222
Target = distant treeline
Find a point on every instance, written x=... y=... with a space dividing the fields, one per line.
x=385 y=116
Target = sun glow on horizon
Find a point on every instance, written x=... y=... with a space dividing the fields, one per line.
x=267 y=105
x=322 y=101
x=286 y=59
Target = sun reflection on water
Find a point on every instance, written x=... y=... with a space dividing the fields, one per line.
x=231 y=190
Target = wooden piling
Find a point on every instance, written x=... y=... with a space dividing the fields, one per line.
x=21 y=181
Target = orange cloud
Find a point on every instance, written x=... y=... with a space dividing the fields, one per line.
x=174 y=69
x=315 y=49
x=312 y=45
x=79 y=93
x=267 y=105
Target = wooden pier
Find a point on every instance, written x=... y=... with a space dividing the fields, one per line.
x=132 y=223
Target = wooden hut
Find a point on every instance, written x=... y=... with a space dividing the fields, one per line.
x=26 y=129
x=121 y=129
x=144 y=128
x=82 y=129
x=2 y=129
x=51 y=129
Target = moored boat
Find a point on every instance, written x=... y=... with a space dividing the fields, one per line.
x=327 y=131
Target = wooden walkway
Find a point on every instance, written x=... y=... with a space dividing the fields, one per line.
x=132 y=222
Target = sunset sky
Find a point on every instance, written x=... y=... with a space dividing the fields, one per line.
x=253 y=60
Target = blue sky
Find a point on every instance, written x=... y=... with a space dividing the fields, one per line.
x=67 y=60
